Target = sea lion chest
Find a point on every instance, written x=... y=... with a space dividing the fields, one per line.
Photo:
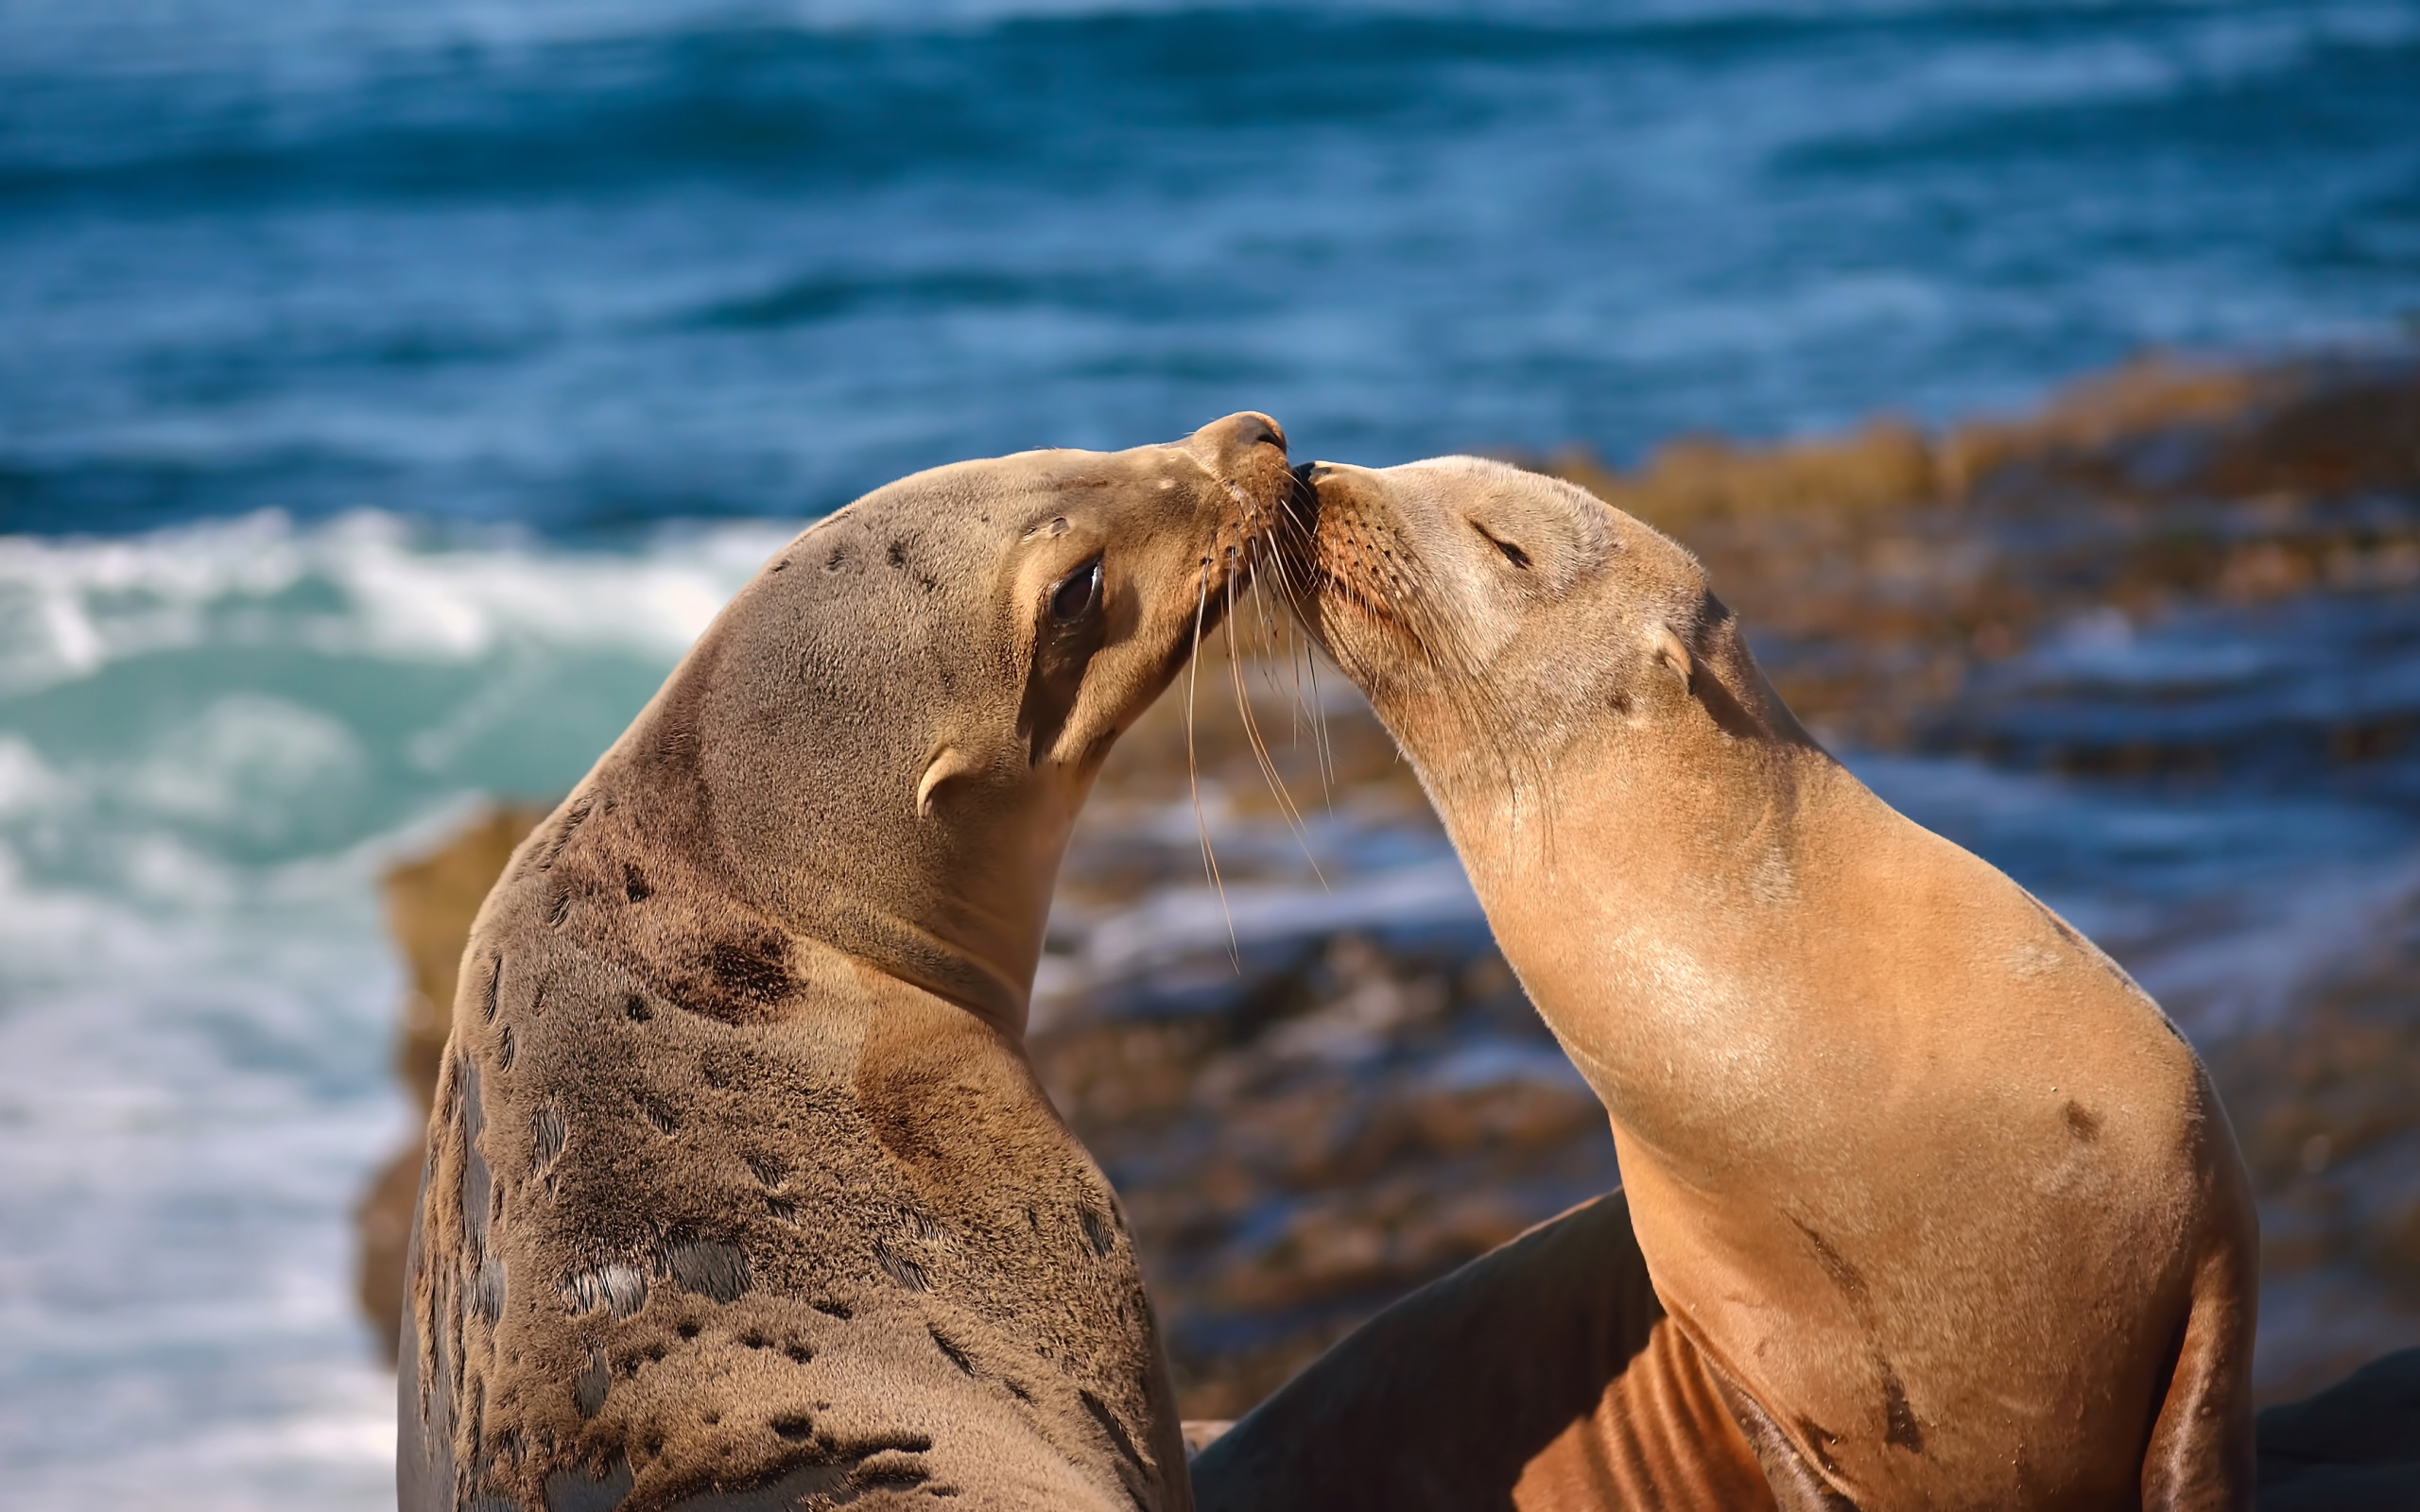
x=709 y=1206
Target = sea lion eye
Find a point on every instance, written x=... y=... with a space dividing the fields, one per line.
x=1512 y=553
x=1077 y=594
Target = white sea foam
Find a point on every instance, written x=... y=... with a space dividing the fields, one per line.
x=212 y=739
x=360 y=585
x=191 y=1088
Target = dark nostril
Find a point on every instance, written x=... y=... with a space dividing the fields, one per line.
x=1259 y=430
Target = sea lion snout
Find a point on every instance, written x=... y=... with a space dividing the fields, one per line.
x=1229 y=444
x=1246 y=452
x=1454 y=590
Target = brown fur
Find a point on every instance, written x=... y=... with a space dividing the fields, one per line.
x=1919 y=1173
x=740 y=1192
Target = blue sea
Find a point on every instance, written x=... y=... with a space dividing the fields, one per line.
x=388 y=393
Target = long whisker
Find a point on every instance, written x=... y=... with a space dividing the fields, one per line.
x=1277 y=632
x=1323 y=743
x=1282 y=642
x=1193 y=770
x=1308 y=707
x=1260 y=746
x=1297 y=602
x=1376 y=577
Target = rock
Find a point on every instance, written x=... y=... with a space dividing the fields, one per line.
x=1885 y=572
x=1200 y=1433
x=382 y=1227
x=430 y=904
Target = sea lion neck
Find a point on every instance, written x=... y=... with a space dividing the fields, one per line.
x=1692 y=841
x=878 y=749
x=781 y=833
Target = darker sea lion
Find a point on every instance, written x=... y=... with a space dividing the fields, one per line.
x=1542 y=1374
x=1938 y=1202
x=740 y=1192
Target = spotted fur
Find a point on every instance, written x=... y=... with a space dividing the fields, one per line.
x=740 y=1192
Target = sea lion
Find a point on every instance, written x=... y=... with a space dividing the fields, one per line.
x=740 y=1192
x=1937 y=1200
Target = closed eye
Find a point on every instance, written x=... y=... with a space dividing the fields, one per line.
x=1512 y=553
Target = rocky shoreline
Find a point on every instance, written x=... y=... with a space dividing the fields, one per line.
x=1316 y=1086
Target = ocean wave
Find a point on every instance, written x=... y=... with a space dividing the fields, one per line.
x=212 y=741
x=196 y=1000
x=186 y=713
x=818 y=297
x=366 y=585
x=189 y=1093
x=601 y=267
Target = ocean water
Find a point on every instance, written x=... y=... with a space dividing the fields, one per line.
x=388 y=394
x=579 y=263
x=211 y=740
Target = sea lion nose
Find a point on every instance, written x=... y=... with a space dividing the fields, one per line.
x=1257 y=430
x=1229 y=443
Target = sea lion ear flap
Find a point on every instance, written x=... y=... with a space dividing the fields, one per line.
x=947 y=763
x=1671 y=654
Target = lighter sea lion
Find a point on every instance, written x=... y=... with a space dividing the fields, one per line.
x=1937 y=1200
x=740 y=1192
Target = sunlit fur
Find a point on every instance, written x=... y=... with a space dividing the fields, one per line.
x=1918 y=1171
x=1509 y=666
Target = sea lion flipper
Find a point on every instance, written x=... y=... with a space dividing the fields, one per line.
x=1526 y=1366
x=2202 y=1446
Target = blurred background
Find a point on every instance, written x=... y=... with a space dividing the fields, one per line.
x=388 y=394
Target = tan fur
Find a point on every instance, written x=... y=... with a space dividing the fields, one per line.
x=740 y=1192
x=1917 y=1169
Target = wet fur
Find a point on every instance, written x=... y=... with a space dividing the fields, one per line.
x=740 y=1192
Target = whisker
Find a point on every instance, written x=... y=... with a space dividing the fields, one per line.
x=1323 y=744
x=1392 y=588
x=1193 y=771
x=1260 y=748
x=1299 y=600
x=1279 y=626
x=1289 y=619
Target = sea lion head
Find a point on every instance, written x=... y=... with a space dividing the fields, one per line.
x=1508 y=626
x=882 y=742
